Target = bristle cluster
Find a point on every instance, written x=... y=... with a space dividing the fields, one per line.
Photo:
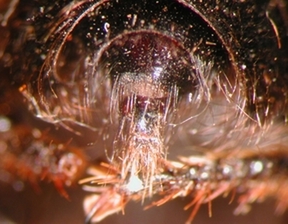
x=255 y=177
x=148 y=81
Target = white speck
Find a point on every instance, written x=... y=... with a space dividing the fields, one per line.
x=134 y=184
x=192 y=172
x=5 y=124
x=193 y=131
x=142 y=124
x=190 y=95
x=227 y=170
x=157 y=72
x=204 y=175
x=106 y=27
x=243 y=67
x=134 y=20
x=43 y=56
x=256 y=167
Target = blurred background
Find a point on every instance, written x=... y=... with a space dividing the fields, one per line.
x=21 y=204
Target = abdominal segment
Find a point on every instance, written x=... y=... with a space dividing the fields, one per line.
x=151 y=99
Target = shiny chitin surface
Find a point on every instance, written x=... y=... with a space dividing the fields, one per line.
x=145 y=100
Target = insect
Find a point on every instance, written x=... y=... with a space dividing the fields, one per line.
x=117 y=102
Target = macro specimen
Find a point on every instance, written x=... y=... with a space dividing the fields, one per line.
x=108 y=103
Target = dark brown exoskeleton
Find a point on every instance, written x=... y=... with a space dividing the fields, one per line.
x=153 y=99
